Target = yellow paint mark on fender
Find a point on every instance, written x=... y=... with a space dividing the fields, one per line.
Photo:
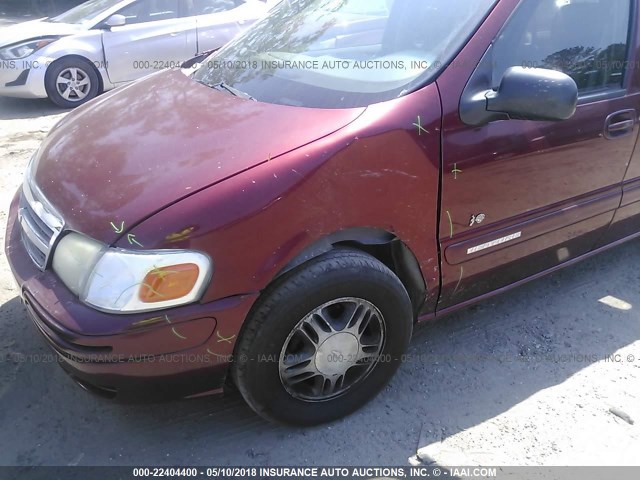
x=173 y=329
x=148 y=321
x=459 y=280
x=224 y=339
x=450 y=224
x=180 y=236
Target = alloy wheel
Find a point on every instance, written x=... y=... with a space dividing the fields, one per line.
x=332 y=349
x=73 y=84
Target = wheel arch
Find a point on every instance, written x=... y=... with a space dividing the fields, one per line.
x=380 y=244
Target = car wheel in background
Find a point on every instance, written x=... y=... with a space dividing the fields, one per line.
x=323 y=339
x=71 y=82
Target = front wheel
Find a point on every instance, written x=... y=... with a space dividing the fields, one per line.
x=324 y=339
x=71 y=82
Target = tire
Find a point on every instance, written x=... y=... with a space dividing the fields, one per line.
x=280 y=333
x=87 y=83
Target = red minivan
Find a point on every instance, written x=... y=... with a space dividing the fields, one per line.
x=279 y=217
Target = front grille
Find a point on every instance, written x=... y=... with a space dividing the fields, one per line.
x=40 y=224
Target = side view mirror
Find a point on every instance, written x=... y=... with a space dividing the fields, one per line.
x=523 y=94
x=115 y=20
x=534 y=94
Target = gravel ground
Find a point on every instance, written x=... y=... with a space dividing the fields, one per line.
x=522 y=379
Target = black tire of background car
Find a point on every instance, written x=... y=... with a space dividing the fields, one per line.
x=70 y=62
x=337 y=274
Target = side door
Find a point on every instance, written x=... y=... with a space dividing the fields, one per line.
x=521 y=197
x=155 y=37
x=626 y=222
x=219 y=21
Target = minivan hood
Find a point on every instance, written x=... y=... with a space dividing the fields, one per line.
x=35 y=29
x=140 y=148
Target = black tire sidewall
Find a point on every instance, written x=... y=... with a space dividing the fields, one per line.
x=264 y=390
x=58 y=66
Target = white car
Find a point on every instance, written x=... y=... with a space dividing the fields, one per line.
x=102 y=44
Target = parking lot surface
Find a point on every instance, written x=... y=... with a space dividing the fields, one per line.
x=548 y=374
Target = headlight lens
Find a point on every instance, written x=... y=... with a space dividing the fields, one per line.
x=23 y=50
x=73 y=260
x=125 y=281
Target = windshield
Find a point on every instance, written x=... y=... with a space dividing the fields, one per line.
x=344 y=53
x=86 y=13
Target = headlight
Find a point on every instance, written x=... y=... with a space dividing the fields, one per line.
x=123 y=281
x=24 y=49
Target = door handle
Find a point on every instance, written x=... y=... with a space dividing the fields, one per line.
x=620 y=124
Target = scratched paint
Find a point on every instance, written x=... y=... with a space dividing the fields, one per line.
x=179 y=236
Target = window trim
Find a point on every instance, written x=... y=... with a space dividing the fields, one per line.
x=427 y=79
x=612 y=93
x=607 y=93
x=187 y=14
x=632 y=43
x=623 y=90
x=178 y=14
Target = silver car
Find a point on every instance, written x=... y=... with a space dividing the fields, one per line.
x=102 y=44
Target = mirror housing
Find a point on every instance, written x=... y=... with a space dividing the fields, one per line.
x=115 y=20
x=524 y=93
x=534 y=94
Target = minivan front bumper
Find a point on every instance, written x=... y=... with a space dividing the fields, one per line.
x=179 y=352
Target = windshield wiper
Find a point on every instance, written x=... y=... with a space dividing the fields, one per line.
x=232 y=91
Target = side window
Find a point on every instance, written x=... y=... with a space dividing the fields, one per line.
x=205 y=7
x=586 y=39
x=144 y=11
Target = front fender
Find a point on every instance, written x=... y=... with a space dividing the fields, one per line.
x=87 y=45
x=379 y=172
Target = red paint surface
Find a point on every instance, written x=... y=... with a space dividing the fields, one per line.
x=253 y=185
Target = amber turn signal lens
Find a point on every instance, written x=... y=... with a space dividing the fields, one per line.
x=169 y=283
